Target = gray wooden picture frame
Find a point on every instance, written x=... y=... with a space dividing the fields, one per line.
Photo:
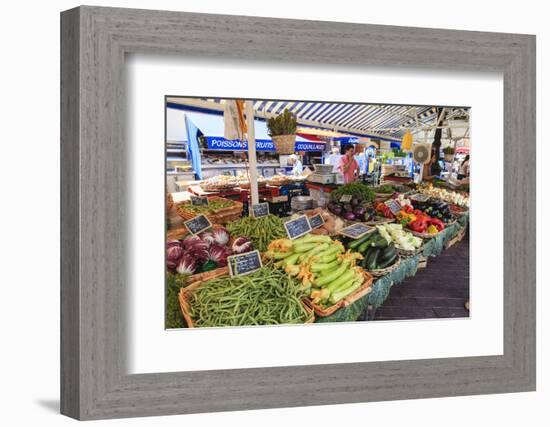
x=94 y=41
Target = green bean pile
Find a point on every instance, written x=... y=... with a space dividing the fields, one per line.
x=265 y=297
x=212 y=206
x=260 y=230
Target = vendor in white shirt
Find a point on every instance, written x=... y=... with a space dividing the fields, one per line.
x=333 y=159
x=296 y=164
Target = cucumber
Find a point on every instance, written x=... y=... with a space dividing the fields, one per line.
x=358 y=242
x=388 y=262
x=372 y=258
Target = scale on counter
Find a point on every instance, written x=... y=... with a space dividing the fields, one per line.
x=323 y=175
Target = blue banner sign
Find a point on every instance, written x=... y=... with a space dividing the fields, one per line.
x=347 y=139
x=309 y=146
x=220 y=143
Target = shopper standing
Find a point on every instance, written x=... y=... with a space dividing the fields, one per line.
x=427 y=168
x=464 y=169
x=334 y=159
x=348 y=165
x=296 y=164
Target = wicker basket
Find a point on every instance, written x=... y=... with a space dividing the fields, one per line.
x=177 y=233
x=383 y=196
x=359 y=293
x=284 y=144
x=246 y=185
x=278 y=182
x=425 y=236
x=457 y=210
x=220 y=216
x=383 y=271
x=406 y=254
x=169 y=202
x=197 y=280
x=379 y=220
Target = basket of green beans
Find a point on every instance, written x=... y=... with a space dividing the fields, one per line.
x=265 y=297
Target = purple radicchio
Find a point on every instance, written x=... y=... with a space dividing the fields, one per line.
x=195 y=248
x=241 y=245
x=219 y=254
x=207 y=237
x=174 y=252
x=221 y=235
x=187 y=265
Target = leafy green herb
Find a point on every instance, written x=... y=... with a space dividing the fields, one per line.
x=173 y=316
x=283 y=124
x=363 y=191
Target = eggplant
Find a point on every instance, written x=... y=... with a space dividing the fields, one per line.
x=348 y=207
x=359 y=212
x=337 y=210
x=349 y=216
x=355 y=201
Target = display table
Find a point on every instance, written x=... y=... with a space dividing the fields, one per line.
x=407 y=268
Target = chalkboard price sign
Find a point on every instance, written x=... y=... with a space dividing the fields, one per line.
x=242 y=264
x=346 y=198
x=316 y=221
x=197 y=224
x=420 y=197
x=297 y=227
x=356 y=231
x=260 y=209
x=394 y=206
x=199 y=201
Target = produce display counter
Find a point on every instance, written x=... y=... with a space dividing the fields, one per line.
x=243 y=195
x=407 y=268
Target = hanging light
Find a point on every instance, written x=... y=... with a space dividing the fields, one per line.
x=407 y=141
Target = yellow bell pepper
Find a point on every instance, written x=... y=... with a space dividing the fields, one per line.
x=432 y=229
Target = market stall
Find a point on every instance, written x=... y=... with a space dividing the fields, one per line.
x=340 y=266
x=300 y=245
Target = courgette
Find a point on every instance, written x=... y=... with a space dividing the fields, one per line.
x=388 y=252
x=373 y=257
x=364 y=246
x=358 y=242
x=388 y=262
x=379 y=242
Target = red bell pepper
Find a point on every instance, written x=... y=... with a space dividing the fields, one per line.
x=440 y=225
x=408 y=209
x=418 y=226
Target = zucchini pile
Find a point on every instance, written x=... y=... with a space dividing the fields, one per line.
x=377 y=252
x=328 y=273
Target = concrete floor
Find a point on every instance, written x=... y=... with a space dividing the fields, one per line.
x=437 y=291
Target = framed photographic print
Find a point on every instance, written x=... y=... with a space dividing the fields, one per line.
x=295 y=213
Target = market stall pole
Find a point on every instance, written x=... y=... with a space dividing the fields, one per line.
x=252 y=163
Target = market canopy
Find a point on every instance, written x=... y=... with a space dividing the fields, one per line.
x=375 y=121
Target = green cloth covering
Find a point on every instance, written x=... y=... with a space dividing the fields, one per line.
x=407 y=268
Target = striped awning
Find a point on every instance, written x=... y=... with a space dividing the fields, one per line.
x=370 y=120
